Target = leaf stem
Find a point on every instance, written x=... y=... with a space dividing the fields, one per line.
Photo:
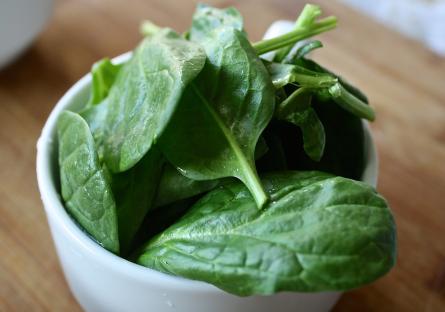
x=314 y=81
x=295 y=35
x=306 y=19
x=349 y=102
x=149 y=29
x=291 y=103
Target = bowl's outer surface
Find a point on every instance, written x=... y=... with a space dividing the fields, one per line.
x=101 y=281
x=20 y=22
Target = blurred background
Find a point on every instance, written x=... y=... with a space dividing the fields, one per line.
x=423 y=20
x=394 y=50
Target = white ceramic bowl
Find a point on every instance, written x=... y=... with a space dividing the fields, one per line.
x=102 y=281
x=20 y=22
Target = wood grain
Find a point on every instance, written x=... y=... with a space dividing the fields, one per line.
x=405 y=82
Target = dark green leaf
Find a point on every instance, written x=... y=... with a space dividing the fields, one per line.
x=174 y=186
x=297 y=110
x=215 y=129
x=344 y=152
x=159 y=219
x=145 y=95
x=314 y=136
x=319 y=233
x=135 y=191
x=85 y=183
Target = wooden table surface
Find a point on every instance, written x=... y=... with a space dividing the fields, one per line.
x=405 y=82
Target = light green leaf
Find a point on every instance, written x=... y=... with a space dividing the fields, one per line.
x=208 y=19
x=85 y=183
x=145 y=95
x=104 y=74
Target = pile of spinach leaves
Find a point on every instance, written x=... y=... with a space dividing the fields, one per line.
x=199 y=158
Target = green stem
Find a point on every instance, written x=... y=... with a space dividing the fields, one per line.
x=306 y=19
x=308 y=15
x=292 y=37
x=349 y=102
x=302 y=51
x=292 y=103
x=149 y=29
x=314 y=81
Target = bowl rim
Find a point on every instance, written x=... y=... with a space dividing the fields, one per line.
x=56 y=212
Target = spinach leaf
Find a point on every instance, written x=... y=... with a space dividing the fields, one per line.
x=158 y=220
x=297 y=110
x=318 y=233
x=174 y=186
x=145 y=95
x=208 y=19
x=344 y=152
x=103 y=76
x=312 y=129
x=186 y=115
x=215 y=128
x=135 y=191
x=85 y=183
x=95 y=116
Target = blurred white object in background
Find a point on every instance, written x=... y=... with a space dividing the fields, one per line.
x=20 y=22
x=423 y=20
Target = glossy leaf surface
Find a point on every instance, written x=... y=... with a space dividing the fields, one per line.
x=319 y=233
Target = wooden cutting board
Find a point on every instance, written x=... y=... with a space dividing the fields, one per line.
x=405 y=82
